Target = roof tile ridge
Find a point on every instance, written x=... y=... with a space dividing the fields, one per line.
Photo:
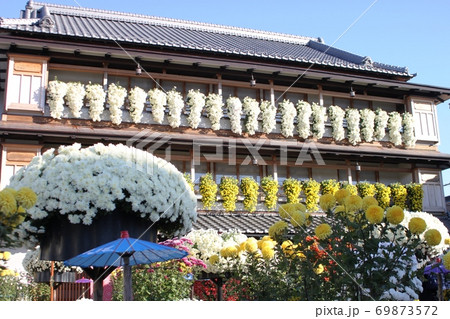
x=187 y=24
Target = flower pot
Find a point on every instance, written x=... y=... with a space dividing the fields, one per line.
x=44 y=276
x=63 y=240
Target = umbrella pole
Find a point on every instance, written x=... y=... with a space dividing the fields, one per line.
x=127 y=285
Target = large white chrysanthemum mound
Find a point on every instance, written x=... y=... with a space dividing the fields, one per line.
x=82 y=183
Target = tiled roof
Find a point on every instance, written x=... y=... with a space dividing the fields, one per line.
x=85 y=23
x=251 y=224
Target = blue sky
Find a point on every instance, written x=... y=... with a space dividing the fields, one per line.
x=412 y=33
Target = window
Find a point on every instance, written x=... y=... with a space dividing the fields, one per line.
x=249 y=171
x=368 y=176
x=222 y=169
x=425 y=121
x=83 y=77
x=300 y=173
x=321 y=174
x=394 y=177
x=26 y=80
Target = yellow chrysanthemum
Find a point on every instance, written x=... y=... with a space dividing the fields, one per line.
x=341 y=195
x=319 y=269
x=268 y=243
x=446 y=260
x=26 y=197
x=214 y=259
x=339 y=209
x=287 y=244
x=6 y=255
x=417 y=225
x=8 y=204
x=229 y=251
x=374 y=214
x=268 y=253
x=298 y=219
x=433 y=237
x=9 y=190
x=286 y=210
x=447 y=241
x=327 y=202
x=278 y=228
x=251 y=245
x=353 y=203
x=323 y=231
x=395 y=215
x=369 y=201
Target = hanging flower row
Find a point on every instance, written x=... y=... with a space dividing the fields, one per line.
x=406 y=196
x=309 y=120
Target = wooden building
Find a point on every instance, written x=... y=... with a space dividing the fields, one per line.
x=76 y=44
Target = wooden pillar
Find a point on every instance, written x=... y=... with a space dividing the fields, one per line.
x=127 y=284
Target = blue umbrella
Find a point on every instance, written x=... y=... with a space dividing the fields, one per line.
x=435 y=268
x=125 y=252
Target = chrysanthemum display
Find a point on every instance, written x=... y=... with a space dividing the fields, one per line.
x=408 y=137
x=96 y=97
x=292 y=188
x=75 y=97
x=353 y=132
x=214 y=104
x=288 y=113
x=268 y=113
x=380 y=122
x=336 y=115
x=249 y=188
x=234 y=110
x=251 y=111
x=116 y=98
x=394 y=125
x=229 y=190
x=158 y=100
x=208 y=190
x=56 y=90
x=318 y=120
x=175 y=104
x=367 y=124
x=81 y=184
x=196 y=101
x=270 y=189
x=304 y=112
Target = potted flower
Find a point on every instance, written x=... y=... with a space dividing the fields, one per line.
x=86 y=196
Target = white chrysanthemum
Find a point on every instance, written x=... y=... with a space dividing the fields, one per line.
x=251 y=110
x=318 y=120
x=214 y=104
x=74 y=97
x=336 y=115
x=408 y=137
x=304 y=112
x=394 y=125
x=158 y=100
x=367 y=124
x=56 y=90
x=288 y=113
x=353 y=133
x=78 y=183
x=196 y=101
x=116 y=98
x=175 y=105
x=96 y=97
x=234 y=110
x=137 y=98
x=381 y=119
x=269 y=113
